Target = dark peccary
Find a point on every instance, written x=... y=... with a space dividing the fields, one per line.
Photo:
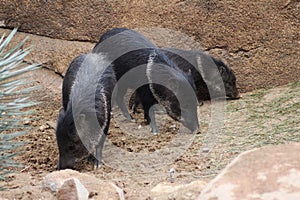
x=186 y=61
x=80 y=103
x=128 y=50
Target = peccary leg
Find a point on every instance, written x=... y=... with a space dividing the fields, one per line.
x=150 y=117
x=148 y=100
x=98 y=157
x=135 y=104
x=121 y=104
x=134 y=108
x=153 y=126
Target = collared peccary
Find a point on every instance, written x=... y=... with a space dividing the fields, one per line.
x=186 y=60
x=84 y=120
x=140 y=65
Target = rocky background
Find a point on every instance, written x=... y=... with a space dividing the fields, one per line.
x=259 y=40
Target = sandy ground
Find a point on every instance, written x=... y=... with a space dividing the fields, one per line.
x=137 y=160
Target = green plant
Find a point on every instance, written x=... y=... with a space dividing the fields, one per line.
x=15 y=100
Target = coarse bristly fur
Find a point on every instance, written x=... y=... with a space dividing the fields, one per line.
x=88 y=110
x=129 y=49
x=207 y=72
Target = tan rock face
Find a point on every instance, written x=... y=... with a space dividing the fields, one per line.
x=166 y=191
x=272 y=172
x=72 y=189
x=258 y=39
x=54 y=54
x=56 y=181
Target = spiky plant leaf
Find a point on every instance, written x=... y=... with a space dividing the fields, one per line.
x=15 y=93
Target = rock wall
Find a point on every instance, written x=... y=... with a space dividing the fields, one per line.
x=54 y=54
x=260 y=40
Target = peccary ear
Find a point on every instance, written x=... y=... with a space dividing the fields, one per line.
x=224 y=73
x=222 y=70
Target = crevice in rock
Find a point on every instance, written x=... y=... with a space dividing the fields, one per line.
x=290 y=2
x=222 y=47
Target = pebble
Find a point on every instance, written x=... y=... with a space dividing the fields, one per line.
x=43 y=128
x=205 y=150
x=27 y=122
x=51 y=124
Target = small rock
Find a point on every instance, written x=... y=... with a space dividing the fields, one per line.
x=2 y=23
x=205 y=150
x=27 y=122
x=34 y=123
x=99 y=188
x=51 y=124
x=72 y=189
x=43 y=128
x=55 y=180
x=172 y=175
x=173 y=126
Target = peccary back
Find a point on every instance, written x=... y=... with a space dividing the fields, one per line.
x=70 y=78
x=83 y=123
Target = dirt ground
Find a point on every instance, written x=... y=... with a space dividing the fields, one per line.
x=260 y=118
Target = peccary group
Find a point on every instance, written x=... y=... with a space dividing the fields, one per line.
x=144 y=67
x=173 y=78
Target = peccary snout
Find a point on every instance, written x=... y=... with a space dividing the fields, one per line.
x=68 y=141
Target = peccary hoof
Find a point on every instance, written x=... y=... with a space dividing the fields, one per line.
x=98 y=164
x=201 y=103
x=133 y=120
x=154 y=130
x=129 y=118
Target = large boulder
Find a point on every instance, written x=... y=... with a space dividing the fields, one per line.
x=271 y=172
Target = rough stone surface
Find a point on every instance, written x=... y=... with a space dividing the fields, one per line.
x=260 y=40
x=25 y=186
x=72 y=189
x=98 y=188
x=166 y=190
x=271 y=172
x=51 y=53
